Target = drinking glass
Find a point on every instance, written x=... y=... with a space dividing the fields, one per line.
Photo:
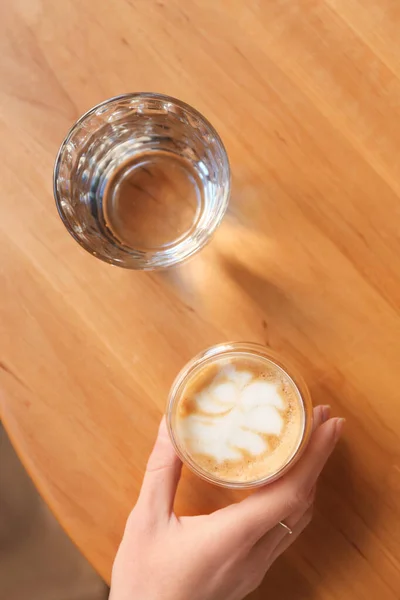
x=207 y=359
x=142 y=181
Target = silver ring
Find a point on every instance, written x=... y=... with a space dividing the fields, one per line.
x=286 y=527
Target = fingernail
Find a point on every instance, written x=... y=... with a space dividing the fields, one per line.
x=326 y=411
x=338 y=428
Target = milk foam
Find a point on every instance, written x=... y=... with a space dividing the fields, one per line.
x=233 y=415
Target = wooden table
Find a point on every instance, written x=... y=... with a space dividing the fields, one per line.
x=306 y=95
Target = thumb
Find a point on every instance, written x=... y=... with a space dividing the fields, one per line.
x=162 y=475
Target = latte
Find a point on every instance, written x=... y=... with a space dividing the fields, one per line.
x=237 y=417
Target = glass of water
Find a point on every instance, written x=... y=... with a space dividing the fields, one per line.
x=142 y=181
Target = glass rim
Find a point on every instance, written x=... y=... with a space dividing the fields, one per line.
x=250 y=348
x=139 y=255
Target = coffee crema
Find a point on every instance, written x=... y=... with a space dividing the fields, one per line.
x=238 y=417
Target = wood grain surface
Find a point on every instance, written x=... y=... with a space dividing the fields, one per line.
x=306 y=96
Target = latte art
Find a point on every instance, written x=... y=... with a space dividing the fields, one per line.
x=234 y=415
x=238 y=417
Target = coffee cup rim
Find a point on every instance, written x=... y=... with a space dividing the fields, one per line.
x=251 y=348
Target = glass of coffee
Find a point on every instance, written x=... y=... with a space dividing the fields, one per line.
x=238 y=416
x=142 y=181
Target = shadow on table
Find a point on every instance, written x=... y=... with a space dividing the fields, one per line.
x=334 y=542
x=322 y=560
x=275 y=305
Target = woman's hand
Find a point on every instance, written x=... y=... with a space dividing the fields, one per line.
x=224 y=555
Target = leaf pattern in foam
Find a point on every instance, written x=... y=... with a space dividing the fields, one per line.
x=261 y=393
x=239 y=410
x=263 y=419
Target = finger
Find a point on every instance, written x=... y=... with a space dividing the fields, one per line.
x=288 y=540
x=261 y=511
x=263 y=554
x=320 y=415
x=267 y=550
x=162 y=475
x=278 y=533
